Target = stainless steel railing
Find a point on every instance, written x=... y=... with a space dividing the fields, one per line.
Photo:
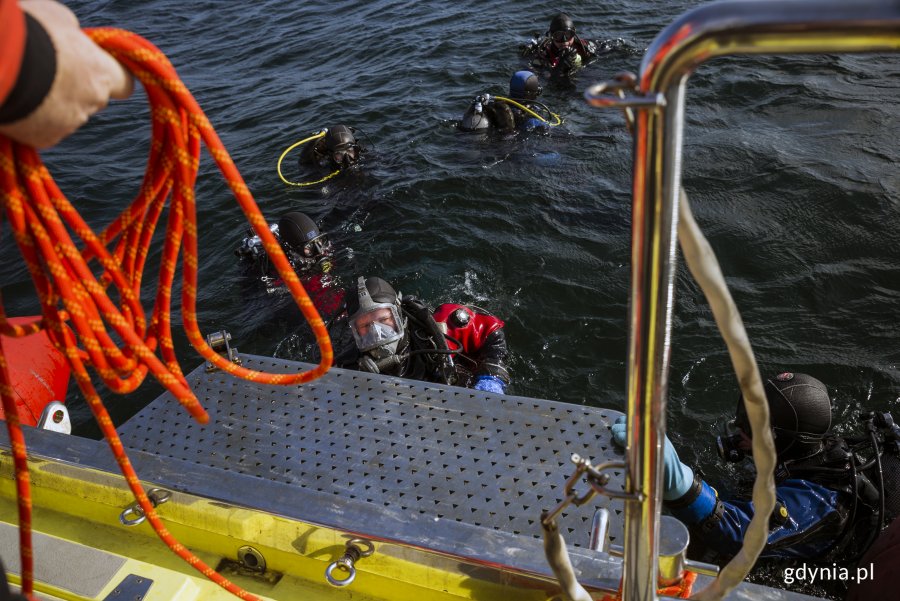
x=718 y=29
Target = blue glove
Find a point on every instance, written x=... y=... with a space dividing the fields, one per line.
x=533 y=123
x=490 y=384
x=677 y=477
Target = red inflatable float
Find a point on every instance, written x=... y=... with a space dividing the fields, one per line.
x=39 y=373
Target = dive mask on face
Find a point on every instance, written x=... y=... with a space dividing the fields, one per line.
x=375 y=326
x=317 y=247
x=728 y=449
x=346 y=156
x=376 y=330
x=562 y=36
x=729 y=445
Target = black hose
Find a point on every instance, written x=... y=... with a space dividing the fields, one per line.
x=355 y=129
x=435 y=351
x=880 y=482
x=875 y=531
x=851 y=525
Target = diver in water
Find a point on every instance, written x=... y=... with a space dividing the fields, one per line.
x=308 y=251
x=521 y=111
x=560 y=50
x=401 y=336
x=833 y=494
x=337 y=149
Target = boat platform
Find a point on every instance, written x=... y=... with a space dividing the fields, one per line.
x=446 y=485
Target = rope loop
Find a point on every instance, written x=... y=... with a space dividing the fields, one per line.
x=295 y=145
x=78 y=314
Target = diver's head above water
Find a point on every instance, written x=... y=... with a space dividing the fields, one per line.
x=300 y=235
x=524 y=85
x=339 y=145
x=377 y=324
x=562 y=30
x=799 y=414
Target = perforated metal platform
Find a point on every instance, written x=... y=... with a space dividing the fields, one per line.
x=483 y=459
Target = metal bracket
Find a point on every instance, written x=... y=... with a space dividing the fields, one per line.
x=612 y=93
x=597 y=479
x=55 y=418
x=132 y=588
x=219 y=342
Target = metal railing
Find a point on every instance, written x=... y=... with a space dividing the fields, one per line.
x=657 y=104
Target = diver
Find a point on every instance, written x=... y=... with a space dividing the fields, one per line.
x=335 y=149
x=831 y=493
x=401 y=336
x=560 y=50
x=521 y=111
x=308 y=251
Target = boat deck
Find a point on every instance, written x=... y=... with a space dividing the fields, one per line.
x=440 y=452
x=448 y=483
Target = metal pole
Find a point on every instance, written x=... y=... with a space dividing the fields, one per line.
x=724 y=28
x=653 y=265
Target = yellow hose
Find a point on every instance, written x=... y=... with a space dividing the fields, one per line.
x=295 y=145
x=531 y=112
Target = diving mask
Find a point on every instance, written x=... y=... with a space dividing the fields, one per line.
x=375 y=325
x=347 y=155
x=728 y=445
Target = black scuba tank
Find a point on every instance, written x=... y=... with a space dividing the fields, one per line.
x=429 y=334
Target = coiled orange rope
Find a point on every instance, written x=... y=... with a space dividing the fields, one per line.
x=74 y=303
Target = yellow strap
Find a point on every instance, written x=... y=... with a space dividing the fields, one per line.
x=531 y=112
x=295 y=145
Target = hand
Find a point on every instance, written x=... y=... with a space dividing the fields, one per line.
x=530 y=47
x=570 y=58
x=677 y=477
x=490 y=384
x=86 y=78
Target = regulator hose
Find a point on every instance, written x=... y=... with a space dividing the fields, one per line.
x=295 y=145
x=557 y=118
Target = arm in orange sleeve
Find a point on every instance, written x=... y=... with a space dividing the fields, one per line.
x=35 y=70
x=62 y=77
x=12 y=45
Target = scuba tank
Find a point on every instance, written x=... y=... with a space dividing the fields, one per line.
x=438 y=356
x=475 y=118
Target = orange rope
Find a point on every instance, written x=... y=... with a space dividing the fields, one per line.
x=681 y=590
x=75 y=305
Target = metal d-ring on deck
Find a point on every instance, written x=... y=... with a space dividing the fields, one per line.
x=157 y=497
x=346 y=563
x=724 y=28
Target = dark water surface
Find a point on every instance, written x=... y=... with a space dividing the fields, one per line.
x=790 y=163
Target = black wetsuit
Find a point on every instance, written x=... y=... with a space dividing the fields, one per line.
x=822 y=512
x=562 y=62
x=314 y=273
x=425 y=354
